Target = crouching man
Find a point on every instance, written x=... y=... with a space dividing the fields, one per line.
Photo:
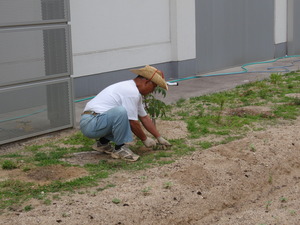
x=118 y=111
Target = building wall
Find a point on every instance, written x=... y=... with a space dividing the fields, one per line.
x=181 y=37
x=293 y=31
x=110 y=37
x=121 y=34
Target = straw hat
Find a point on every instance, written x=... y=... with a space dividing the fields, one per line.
x=153 y=74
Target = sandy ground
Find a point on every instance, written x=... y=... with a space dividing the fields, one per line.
x=255 y=181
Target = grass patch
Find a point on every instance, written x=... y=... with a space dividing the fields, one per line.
x=207 y=118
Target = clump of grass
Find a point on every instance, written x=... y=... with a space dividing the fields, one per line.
x=252 y=148
x=9 y=165
x=28 y=208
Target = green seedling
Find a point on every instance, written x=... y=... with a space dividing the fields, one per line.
x=146 y=191
x=283 y=199
x=116 y=201
x=28 y=208
x=268 y=205
x=270 y=180
x=168 y=185
x=252 y=148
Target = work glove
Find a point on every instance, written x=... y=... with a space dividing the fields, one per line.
x=149 y=142
x=163 y=141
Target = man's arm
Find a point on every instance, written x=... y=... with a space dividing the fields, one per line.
x=147 y=123
x=150 y=127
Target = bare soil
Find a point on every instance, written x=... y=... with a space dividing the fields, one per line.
x=252 y=181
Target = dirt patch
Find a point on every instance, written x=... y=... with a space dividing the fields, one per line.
x=44 y=176
x=293 y=95
x=262 y=111
x=55 y=173
x=254 y=180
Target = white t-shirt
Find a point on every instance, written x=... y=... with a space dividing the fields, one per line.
x=124 y=94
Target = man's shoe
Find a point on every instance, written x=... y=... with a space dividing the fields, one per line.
x=124 y=153
x=104 y=148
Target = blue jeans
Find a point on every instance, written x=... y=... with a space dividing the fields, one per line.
x=112 y=124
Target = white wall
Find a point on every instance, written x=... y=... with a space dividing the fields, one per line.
x=280 y=21
x=119 y=34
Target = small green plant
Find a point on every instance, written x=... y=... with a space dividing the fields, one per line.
x=155 y=107
x=56 y=197
x=168 y=185
x=9 y=165
x=47 y=201
x=296 y=101
x=275 y=78
x=65 y=215
x=28 y=208
x=116 y=201
x=283 y=199
x=221 y=102
x=180 y=102
x=268 y=206
x=252 y=148
x=270 y=180
x=205 y=144
x=146 y=191
x=106 y=187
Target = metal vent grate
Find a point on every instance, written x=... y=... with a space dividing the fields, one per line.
x=34 y=54
x=27 y=12
x=53 y=9
x=30 y=110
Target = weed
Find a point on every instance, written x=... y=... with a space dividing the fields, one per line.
x=270 y=180
x=65 y=215
x=28 y=208
x=168 y=185
x=47 y=201
x=146 y=191
x=116 y=201
x=268 y=204
x=205 y=144
x=283 y=199
x=56 y=197
x=106 y=187
x=275 y=78
x=9 y=165
x=180 y=102
x=252 y=148
x=296 y=101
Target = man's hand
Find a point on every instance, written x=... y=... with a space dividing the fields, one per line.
x=149 y=142
x=163 y=141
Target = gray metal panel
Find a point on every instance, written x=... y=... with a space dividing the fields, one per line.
x=36 y=108
x=233 y=32
x=280 y=50
x=34 y=53
x=21 y=12
x=293 y=27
